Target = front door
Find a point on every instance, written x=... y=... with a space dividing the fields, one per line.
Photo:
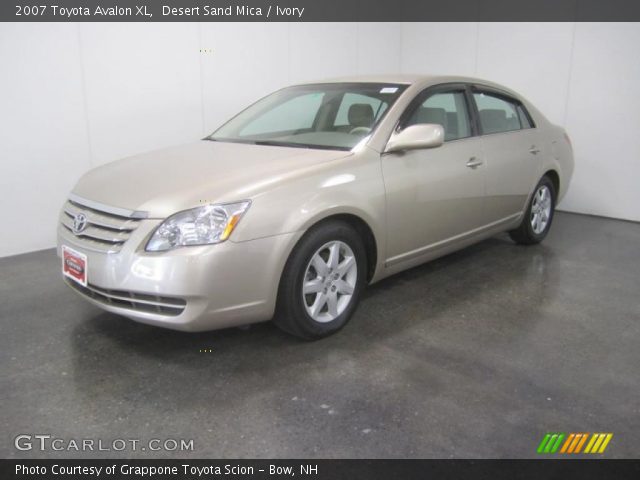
x=434 y=195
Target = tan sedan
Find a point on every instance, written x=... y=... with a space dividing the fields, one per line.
x=289 y=209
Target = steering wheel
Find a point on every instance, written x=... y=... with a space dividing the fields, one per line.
x=359 y=130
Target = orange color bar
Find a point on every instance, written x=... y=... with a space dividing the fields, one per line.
x=567 y=443
x=584 y=439
x=574 y=443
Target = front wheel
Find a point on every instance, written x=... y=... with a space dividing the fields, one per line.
x=537 y=219
x=322 y=281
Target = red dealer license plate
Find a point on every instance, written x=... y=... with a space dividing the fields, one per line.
x=74 y=265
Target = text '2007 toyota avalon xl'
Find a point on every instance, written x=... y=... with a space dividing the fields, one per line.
x=290 y=208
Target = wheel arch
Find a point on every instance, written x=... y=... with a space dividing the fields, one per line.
x=366 y=234
x=360 y=225
x=555 y=178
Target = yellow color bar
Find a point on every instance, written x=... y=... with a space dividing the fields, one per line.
x=591 y=442
x=599 y=440
x=606 y=441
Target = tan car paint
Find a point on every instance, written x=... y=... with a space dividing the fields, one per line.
x=418 y=204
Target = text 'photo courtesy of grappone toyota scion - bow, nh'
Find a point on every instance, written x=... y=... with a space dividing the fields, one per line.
x=293 y=206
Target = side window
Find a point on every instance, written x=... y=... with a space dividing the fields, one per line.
x=448 y=109
x=497 y=114
x=299 y=112
x=350 y=99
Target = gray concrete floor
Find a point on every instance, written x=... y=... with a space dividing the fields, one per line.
x=474 y=355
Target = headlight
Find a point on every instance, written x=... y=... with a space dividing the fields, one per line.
x=198 y=226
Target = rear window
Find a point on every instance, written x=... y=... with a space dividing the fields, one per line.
x=497 y=113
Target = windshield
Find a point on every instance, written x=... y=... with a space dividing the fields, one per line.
x=334 y=116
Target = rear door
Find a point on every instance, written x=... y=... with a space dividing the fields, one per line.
x=511 y=148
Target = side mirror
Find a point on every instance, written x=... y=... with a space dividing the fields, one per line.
x=424 y=135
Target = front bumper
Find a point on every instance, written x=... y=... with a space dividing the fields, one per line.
x=189 y=288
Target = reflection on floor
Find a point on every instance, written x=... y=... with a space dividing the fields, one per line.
x=477 y=354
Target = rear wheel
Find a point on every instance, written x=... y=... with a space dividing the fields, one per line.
x=539 y=215
x=322 y=281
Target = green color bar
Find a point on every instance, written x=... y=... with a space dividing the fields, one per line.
x=554 y=449
x=547 y=449
x=543 y=443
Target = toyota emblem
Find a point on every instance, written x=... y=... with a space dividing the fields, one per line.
x=79 y=223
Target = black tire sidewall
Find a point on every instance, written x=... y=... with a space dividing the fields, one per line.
x=292 y=312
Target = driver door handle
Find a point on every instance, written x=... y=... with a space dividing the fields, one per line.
x=534 y=150
x=474 y=162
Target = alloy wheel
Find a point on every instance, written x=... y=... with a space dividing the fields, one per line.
x=329 y=281
x=541 y=209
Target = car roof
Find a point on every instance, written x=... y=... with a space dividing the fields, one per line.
x=410 y=79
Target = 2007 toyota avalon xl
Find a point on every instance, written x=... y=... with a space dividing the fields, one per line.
x=289 y=209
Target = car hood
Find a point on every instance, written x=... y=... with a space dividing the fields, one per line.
x=166 y=181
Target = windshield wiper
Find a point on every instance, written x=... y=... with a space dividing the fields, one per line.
x=276 y=143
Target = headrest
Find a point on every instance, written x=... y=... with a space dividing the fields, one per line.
x=361 y=115
x=493 y=120
x=431 y=115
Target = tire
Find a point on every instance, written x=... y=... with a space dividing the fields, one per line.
x=310 y=266
x=534 y=228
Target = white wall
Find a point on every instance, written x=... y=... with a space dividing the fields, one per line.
x=74 y=96
x=583 y=76
x=603 y=118
x=43 y=130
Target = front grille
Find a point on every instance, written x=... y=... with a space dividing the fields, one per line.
x=139 y=302
x=105 y=232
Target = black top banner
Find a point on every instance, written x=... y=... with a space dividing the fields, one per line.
x=317 y=10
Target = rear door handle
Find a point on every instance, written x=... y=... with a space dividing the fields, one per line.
x=534 y=150
x=474 y=162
